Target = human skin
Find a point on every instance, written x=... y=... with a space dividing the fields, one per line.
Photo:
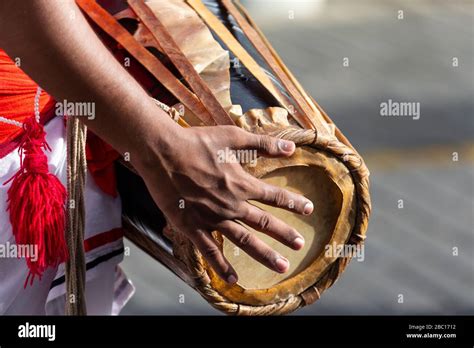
x=59 y=50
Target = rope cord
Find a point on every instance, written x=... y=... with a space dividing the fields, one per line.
x=76 y=178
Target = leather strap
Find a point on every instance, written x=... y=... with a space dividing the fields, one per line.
x=108 y=24
x=264 y=51
x=315 y=106
x=226 y=36
x=179 y=60
x=276 y=56
x=246 y=59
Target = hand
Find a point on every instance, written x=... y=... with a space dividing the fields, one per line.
x=200 y=194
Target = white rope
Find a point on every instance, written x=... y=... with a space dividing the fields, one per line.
x=12 y=122
x=37 y=104
x=37 y=111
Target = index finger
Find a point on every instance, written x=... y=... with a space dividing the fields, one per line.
x=280 y=197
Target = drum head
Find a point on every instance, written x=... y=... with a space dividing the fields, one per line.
x=328 y=184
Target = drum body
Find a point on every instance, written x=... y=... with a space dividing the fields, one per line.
x=325 y=168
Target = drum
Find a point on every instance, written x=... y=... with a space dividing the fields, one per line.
x=211 y=65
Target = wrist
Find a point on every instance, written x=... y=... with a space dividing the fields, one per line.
x=158 y=138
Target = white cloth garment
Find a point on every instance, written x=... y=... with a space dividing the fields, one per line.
x=107 y=288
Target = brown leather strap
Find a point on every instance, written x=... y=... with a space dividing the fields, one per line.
x=315 y=106
x=247 y=60
x=290 y=75
x=108 y=24
x=229 y=40
x=264 y=51
x=255 y=69
x=179 y=60
x=275 y=54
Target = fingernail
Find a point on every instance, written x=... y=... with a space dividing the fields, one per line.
x=298 y=243
x=308 y=208
x=282 y=264
x=286 y=146
x=232 y=279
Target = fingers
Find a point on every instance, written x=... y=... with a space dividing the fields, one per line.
x=264 y=144
x=272 y=147
x=265 y=193
x=211 y=252
x=272 y=226
x=253 y=246
x=281 y=198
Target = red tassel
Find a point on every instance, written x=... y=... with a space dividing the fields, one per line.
x=36 y=203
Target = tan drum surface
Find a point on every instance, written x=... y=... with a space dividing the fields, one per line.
x=328 y=184
x=306 y=181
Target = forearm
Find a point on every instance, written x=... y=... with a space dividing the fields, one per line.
x=60 y=51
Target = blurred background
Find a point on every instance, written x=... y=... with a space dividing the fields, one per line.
x=352 y=55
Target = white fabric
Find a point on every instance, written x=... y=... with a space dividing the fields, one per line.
x=103 y=213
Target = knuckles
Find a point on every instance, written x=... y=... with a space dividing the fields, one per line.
x=264 y=221
x=265 y=144
x=210 y=252
x=245 y=239
x=280 y=198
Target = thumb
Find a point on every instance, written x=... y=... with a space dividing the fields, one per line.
x=273 y=147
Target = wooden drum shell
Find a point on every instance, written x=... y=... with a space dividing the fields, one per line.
x=340 y=166
x=324 y=159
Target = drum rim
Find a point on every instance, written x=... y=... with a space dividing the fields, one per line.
x=341 y=231
x=344 y=153
x=331 y=146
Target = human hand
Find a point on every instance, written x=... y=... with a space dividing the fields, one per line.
x=199 y=193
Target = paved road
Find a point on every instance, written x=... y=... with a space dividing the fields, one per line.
x=409 y=251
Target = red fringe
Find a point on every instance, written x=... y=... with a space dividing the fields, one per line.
x=36 y=204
